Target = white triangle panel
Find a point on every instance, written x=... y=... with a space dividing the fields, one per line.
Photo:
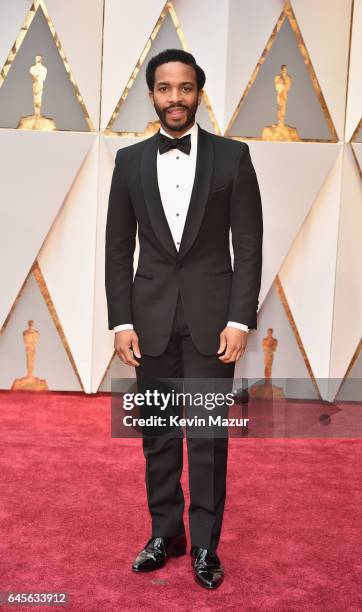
x=35 y=175
x=127 y=27
x=286 y=195
x=353 y=114
x=67 y=262
x=347 y=321
x=325 y=27
x=308 y=273
x=79 y=28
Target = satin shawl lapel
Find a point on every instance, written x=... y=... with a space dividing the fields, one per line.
x=200 y=190
x=152 y=195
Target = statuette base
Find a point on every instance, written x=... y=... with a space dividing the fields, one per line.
x=266 y=391
x=280 y=132
x=36 y=122
x=29 y=383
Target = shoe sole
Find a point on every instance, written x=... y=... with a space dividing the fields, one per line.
x=172 y=554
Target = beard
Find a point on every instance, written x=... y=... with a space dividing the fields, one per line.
x=177 y=126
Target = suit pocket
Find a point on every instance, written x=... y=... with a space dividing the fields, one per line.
x=219 y=191
x=216 y=274
x=141 y=275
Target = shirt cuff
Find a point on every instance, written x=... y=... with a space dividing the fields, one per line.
x=123 y=327
x=237 y=325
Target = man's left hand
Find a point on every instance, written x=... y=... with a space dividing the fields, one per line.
x=234 y=340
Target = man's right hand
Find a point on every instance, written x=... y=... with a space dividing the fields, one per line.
x=124 y=343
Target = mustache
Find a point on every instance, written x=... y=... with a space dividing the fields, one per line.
x=178 y=107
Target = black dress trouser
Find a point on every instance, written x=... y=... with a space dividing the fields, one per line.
x=207 y=455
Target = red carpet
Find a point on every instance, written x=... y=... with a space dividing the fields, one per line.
x=73 y=516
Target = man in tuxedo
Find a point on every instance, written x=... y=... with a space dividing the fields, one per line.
x=187 y=312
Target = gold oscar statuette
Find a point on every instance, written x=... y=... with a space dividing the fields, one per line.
x=266 y=390
x=280 y=131
x=38 y=73
x=30 y=382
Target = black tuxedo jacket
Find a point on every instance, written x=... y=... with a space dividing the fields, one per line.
x=225 y=195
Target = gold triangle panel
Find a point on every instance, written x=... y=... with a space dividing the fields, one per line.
x=38 y=90
x=134 y=115
x=38 y=354
x=283 y=100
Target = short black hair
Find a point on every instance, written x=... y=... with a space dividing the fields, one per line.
x=173 y=55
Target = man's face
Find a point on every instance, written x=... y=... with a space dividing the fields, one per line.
x=175 y=96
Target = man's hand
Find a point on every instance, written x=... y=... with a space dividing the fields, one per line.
x=124 y=341
x=234 y=340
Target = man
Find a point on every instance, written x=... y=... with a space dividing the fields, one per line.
x=187 y=313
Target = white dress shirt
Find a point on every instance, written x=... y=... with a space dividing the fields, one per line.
x=175 y=174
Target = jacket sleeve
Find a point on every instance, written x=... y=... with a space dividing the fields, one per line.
x=246 y=220
x=120 y=239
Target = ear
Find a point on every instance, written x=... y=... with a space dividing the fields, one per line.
x=150 y=95
x=201 y=92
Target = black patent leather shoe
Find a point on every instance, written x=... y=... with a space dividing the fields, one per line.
x=157 y=551
x=207 y=568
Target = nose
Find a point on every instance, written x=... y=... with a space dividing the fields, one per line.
x=175 y=96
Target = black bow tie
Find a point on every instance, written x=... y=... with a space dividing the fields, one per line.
x=165 y=143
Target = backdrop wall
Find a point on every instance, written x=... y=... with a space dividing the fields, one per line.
x=55 y=184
